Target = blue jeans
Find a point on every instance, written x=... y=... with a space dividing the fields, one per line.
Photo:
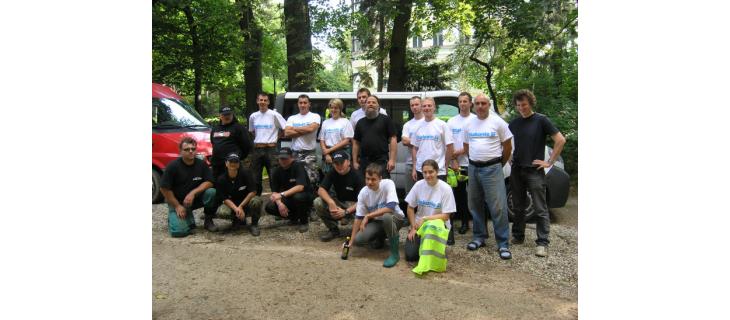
x=179 y=227
x=487 y=190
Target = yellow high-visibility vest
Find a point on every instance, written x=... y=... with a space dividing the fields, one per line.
x=432 y=251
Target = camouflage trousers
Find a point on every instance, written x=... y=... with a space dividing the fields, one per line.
x=309 y=160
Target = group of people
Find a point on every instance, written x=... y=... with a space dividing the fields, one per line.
x=358 y=156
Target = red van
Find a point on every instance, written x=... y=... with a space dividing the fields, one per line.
x=172 y=119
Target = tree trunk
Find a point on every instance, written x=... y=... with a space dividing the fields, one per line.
x=197 y=58
x=298 y=45
x=252 y=37
x=492 y=96
x=398 y=45
x=381 y=50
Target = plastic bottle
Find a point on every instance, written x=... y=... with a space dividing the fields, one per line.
x=346 y=249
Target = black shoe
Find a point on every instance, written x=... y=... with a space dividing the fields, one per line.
x=518 y=240
x=255 y=230
x=236 y=224
x=451 y=241
x=331 y=234
x=303 y=227
x=293 y=222
x=464 y=227
x=209 y=225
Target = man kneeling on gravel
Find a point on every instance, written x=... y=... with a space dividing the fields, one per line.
x=346 y=184
x=378 y=214
x=189 y=179
x=291 y=194
x=237 y=189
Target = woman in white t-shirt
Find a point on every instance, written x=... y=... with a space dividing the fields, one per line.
x=434 y=199
x=335 y=134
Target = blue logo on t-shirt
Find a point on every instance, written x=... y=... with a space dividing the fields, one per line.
x=429 y=204
x=456 y=130
x=263 y=126
x=300 y=124
x=482 y=135
x=428 y=137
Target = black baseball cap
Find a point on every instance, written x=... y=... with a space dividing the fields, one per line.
x=233 y=157
x=285 y=153
x=226 y=110
x=340 y=156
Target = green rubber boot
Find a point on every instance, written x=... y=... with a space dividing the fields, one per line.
x=394 y=254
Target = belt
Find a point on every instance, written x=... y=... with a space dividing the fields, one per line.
x=265 y=145
x=487 y=163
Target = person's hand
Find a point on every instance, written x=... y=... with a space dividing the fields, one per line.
x=180 y=210
x=240 y=213
x=411 y=234
x=283 y=210
x=355 y=165
x=188 y=201
x=363 y=223
x=338 y=213
x=391 y=165
x=540 y=164
x=275 y=196
x=418 y=224
x=414 y=175
x=455 y=165
x=328 y=159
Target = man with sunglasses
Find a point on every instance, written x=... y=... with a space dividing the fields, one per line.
x=228 y=137
x=187 y=184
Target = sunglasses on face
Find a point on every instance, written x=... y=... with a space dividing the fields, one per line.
x=189 y=149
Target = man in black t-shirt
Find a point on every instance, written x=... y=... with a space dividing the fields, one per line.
x=227 y=137
x=341 y=203
x=528 y=167
x=237 y=189
x=187 y=185
x=290 y=191
x=374 y=140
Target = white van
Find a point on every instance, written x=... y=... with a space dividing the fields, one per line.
x=398 y=108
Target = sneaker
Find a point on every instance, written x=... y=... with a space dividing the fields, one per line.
x=254 y=229
x=331 y=234
x=518 y=241
x=541 y=251
x=303 y=228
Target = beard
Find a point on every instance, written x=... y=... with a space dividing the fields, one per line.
x=371 y=113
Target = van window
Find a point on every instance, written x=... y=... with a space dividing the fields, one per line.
x=446 y=107
x=170 y=113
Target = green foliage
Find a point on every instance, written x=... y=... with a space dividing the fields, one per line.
x=422 y=76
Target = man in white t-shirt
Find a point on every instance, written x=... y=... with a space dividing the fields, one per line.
x=302 y=128
x=456 y=124
x=267 y=126
x=487 y=141
x=409 y=129
x=377 y=214
x=362 y=98
x=432 y=140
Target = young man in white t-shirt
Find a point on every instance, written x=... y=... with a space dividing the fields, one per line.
x=267 y=126
x=409 y=129
x=434 y=200
x=488 y=142
x=456 y=124
x=378 y=214
x=302 y=128
x=432 y=140
x=362 y=97
x=336 y=134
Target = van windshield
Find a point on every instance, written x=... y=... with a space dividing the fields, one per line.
x=170 y=113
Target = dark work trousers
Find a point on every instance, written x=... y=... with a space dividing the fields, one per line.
x=412 y=247
x=462 y=207
x=298 y=204
x=522 y=180
x=364 y=162
x=262 y=157
x=218 y=169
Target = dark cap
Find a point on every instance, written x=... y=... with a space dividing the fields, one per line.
x=233 y=157
x=285 y=153
x=226 y=110
x=340 y=156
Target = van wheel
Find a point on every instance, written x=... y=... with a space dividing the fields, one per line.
x=156 y=194
x=529 y=211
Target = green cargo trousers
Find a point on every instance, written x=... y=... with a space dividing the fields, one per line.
x=181 y=227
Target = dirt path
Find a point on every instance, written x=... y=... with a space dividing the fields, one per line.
x=289 y=275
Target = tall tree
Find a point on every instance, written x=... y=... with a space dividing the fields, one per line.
x=197 y=57
x=252 y=37
x=398 y=46
x=298 y=45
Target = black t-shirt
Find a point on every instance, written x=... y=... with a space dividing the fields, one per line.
x=236 y=189
x=346 y=187
x=374 y=137
x=285 y=179
x=229 y=138
x=530 y=134
x=182 y=178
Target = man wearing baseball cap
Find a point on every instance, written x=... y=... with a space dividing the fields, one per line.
x=227 y=137
x=338 y=194
x=237 y=189
x=290 y=191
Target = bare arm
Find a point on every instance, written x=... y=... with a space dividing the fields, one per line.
x=326 y=197
x=170 y=197
x=393 y=152
x=449 y=155
x=506 y=151
x=355 y=154
x=339 y=145
x=312 y=127
x=246 y=200
x=559 y=140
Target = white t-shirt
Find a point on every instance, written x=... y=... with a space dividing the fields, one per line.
x=431 y=200
x=333 y=131
x=457 y=123
x=369 y=200
x=359 y=114
x=485 y=137
x=266 y=126
x=409 y=129
x=431 y=139
x=309 y=140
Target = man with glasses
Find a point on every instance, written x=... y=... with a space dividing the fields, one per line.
x=227 y=137
x=267 y=125
x=187 y=184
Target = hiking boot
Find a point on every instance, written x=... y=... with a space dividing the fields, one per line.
x=303 y=227
x=254 y=229
x=209 y=225
x=331 y=234
x=541 y=251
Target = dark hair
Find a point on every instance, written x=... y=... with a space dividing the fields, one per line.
x=364 y=90
x=524 y=94
x=464 y=93
x=188 y=140
x=374 y=169
x=376 y=98
x=266 y=94
x=431 y=163
x=415 y=97
x=304 y=96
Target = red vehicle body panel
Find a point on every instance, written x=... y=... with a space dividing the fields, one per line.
x=165 y=144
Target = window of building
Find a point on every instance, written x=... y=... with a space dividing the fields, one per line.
x=417 y=42
x=438 y=39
